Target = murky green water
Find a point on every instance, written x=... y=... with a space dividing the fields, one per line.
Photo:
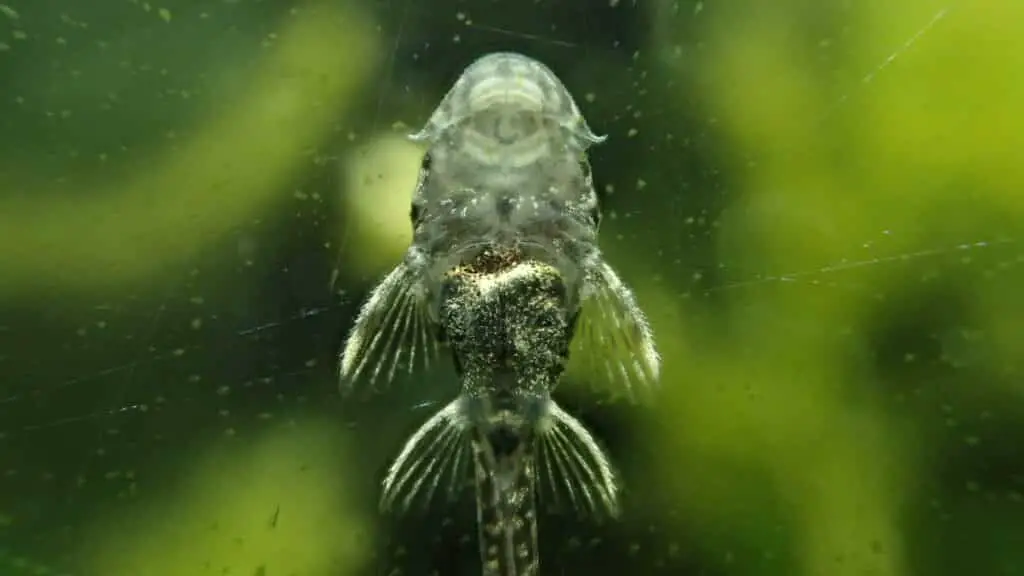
x=817 y=204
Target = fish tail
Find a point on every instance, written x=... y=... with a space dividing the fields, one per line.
x=506 y=511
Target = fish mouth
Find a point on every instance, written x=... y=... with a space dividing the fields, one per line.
x=506 y=92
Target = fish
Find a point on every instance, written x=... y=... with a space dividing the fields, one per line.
x=504 y=273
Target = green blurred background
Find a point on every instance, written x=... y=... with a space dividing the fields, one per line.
x=819 y=204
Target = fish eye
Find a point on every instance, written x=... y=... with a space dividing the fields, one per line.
x=585 y=166
x=585 y=173
x=415 y=213
x=595 y=211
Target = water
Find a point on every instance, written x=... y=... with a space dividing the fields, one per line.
x=817 y=209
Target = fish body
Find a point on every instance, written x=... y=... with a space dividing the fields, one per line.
x=507 y=324
x=505 y=272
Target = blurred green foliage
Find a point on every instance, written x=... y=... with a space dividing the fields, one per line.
x=898 y=119
x=818 y=203
x=231 y=166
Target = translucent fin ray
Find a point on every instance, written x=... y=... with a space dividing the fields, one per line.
x=573 y=467
x=613 y=347
x=434 y=455
x=392 y=327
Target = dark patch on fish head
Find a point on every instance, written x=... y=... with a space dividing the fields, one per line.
x=504 y=441
x=505 y=205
